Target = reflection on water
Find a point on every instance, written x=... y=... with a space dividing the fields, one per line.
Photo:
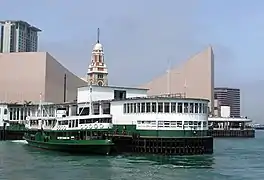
x=201 y=161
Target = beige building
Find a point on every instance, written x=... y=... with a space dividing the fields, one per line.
x=195 y=78
x=26 y=75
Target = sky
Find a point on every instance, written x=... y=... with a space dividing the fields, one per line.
x=140 y=36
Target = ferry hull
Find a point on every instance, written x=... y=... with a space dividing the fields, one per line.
x=100 y=149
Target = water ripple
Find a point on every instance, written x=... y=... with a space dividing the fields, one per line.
x=234 y=159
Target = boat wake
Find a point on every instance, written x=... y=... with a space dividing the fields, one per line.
x=20 y=141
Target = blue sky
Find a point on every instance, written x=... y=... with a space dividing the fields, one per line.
x=140 y=36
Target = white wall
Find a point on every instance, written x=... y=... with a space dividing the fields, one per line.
x=225 y=111
x=106 y=93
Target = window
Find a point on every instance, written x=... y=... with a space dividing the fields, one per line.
x=191 y=107
x=125 y=106
x=100 y=76
x=154 y=107
x=160 y=107
x=142 y=107
x=119 y=94
x=135 y=107
x=128 y=108
x=173 y=107
x=84 y=111
x=131 y=107
x=196 y=108
x=205 y=108
x=200 y=107
x=186 y=108
x=138 y=107
x=148 y=107
x=179 y=107
x=166 y=107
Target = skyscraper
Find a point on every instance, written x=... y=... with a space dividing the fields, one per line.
x=18 y=36
x=229 y=97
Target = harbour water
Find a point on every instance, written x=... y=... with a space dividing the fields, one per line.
x=233 y=159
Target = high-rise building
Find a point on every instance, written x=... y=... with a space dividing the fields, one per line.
x=18 y=36
x=97 y=71
x=229 y=97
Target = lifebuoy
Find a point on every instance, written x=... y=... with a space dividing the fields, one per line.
x=95 y=126
x=101 y=126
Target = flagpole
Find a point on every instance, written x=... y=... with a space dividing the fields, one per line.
x=91 y=106
x=185 y=86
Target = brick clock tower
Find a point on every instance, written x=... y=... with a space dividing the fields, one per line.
x=97 y=71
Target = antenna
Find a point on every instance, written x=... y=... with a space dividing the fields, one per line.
x=98 y=35
x=168 y=77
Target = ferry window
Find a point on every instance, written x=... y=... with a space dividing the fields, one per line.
x=200 y=108
x=148 y=107
x=128 y=108
x=154 y=107
x=135 y=107
x=196 y=108
x=82 y=121
x=186 y=108
x=160 y=107
x=96 y=110
x=125 y=106
x=190 y=123
x=199 y=124
x=195 y=123
x=76 y=123
x=191 y=107
x=179 y=107
x=138 y=107
x=106 y=108
x=5 y=111
x=142 y=107
x=166 y=107
x=185 y=122
x=84 y=111
x=173 y=107
x=204 y=124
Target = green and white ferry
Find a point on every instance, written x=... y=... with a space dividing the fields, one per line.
x=104 y=112
x=84 y=133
